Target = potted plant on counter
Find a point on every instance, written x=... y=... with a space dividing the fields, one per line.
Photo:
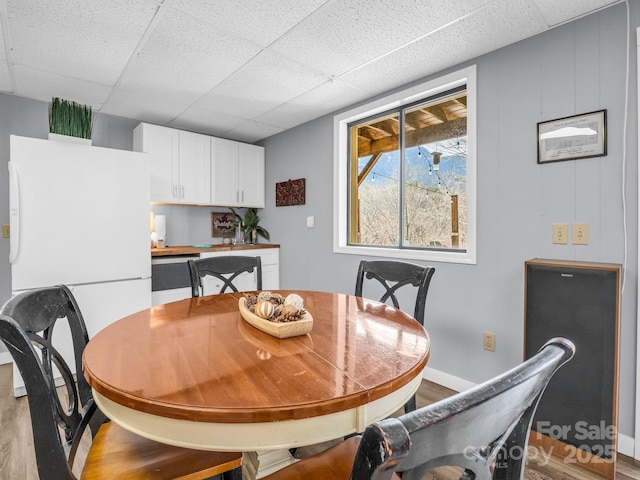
x=249 y=225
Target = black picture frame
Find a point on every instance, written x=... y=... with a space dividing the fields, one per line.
x=573 y=138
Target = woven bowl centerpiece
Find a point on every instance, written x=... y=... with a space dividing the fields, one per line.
x=279 y=316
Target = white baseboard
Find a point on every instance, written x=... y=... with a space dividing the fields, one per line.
x=446 y=380
x=5 y=357
x=626 y=444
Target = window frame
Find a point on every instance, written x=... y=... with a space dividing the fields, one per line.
x=341 y=214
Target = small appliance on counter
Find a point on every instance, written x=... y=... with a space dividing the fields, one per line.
x=158 y=230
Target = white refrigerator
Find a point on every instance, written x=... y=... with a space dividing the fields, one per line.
x=79 y=216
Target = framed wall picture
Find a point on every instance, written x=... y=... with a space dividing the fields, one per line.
x=222 y=224
x=571 y=138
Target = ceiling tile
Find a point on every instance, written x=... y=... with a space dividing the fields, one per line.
x=555 y=12
x=186 y=58
x=143 y=104
x=469 y=38
x=252 y=131
x=327 y=98
x=45 y=85
x=268 y=81
x=90 y=41
x=260 y=22
x=5 y=78
x=3 y=54
x=345 y=34
x=206 y=121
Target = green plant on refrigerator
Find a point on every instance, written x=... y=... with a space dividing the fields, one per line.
x=70 y=118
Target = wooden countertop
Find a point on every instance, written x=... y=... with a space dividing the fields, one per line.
x=191 y=250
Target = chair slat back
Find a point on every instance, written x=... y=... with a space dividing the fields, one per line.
x=27 y=324
x=473 y=429
x=393 y=276
x=226 y=269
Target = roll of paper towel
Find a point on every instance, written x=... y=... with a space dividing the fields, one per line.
x=161 y=227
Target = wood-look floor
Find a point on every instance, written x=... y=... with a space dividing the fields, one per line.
x=17 y=457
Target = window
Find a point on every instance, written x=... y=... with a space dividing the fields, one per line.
x=405 y=173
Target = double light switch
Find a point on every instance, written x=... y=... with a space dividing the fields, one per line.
x=579 y=233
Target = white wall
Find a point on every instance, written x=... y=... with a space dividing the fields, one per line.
x=576 y=68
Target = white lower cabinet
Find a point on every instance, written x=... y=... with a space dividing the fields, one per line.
x=270 y=260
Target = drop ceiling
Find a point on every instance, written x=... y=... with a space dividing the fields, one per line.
x=249 y=69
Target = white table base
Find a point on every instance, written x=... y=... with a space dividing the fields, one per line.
x=267 y=443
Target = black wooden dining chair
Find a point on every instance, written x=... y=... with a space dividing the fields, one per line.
x=484 y=430
x=226 y=269
x=393 y=276
x=60 y=415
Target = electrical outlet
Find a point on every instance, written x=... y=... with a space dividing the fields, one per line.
x=560 y=233
x=6 y=230
x=489 y=341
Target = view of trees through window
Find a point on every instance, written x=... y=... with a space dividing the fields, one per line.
x=409 y=190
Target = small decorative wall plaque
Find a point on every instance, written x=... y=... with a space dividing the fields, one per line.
x=291 y=192
x=222 y=224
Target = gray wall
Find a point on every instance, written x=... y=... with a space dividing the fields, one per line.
x=576 y=68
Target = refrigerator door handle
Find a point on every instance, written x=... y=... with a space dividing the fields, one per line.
x=14 y=214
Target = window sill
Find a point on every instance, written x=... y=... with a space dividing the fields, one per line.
x=409 y=254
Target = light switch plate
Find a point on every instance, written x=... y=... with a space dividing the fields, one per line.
x=311 y=222
x=560 y=233
x=580 y=234
x=6 y=230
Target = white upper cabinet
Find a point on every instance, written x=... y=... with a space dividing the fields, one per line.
x=224 y=173
x=195 y=168
x=251 y=175
x=180 y=163
x=237 y=174
x=161 y=143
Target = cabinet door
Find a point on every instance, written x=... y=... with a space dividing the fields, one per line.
x=270 y=259
x=161 y=144
x=224 y=173
x=210 y=284
x=251 y=175
x=195 y=165
x=271 y=277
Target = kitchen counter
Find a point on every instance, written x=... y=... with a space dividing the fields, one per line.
x=191 y=250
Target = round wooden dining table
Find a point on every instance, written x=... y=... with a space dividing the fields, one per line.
x=195 y=374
